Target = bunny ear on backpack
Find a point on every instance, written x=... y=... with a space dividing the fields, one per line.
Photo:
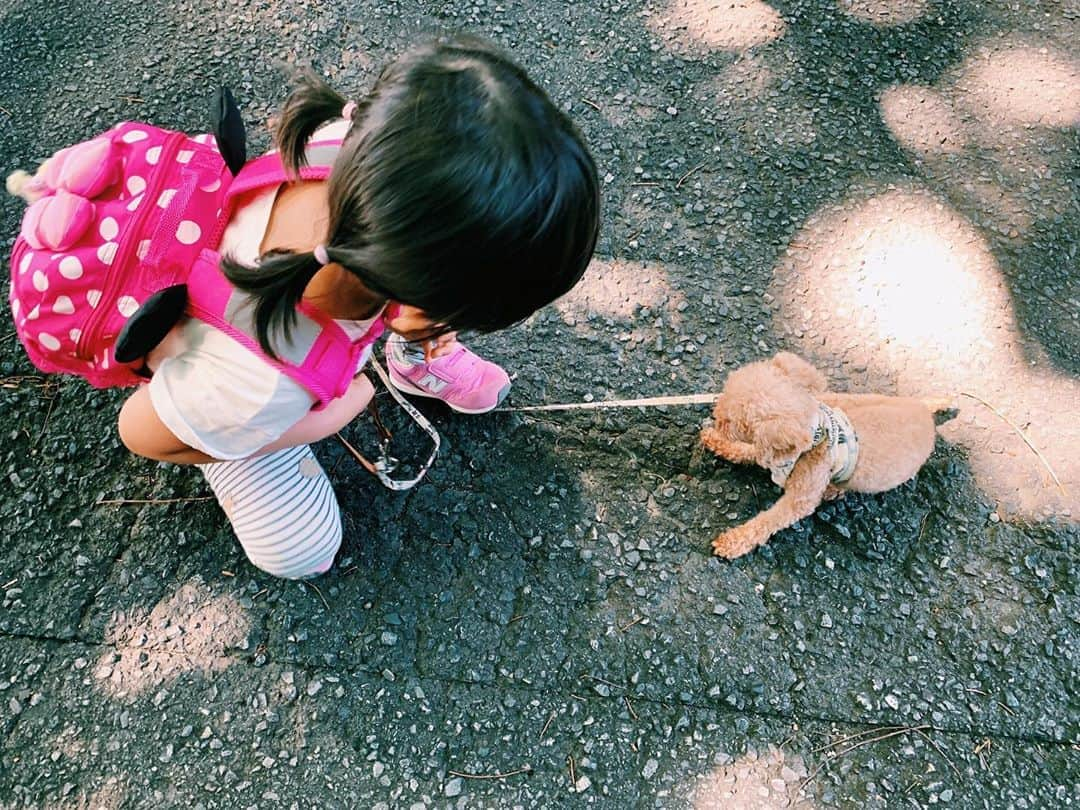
x=229 y=131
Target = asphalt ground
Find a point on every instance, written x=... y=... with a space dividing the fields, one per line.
x=888 y=188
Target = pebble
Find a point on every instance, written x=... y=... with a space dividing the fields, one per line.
x=650 y=768
x=453 y=788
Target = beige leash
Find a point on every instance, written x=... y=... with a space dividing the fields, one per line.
x=648 y=402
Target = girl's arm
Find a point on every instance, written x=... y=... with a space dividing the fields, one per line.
x=144 y=434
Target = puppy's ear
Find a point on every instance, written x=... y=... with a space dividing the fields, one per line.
x=782 y=438
x=800 y=372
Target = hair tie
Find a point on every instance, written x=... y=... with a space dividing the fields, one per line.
x=348 y=110
x=321 y=256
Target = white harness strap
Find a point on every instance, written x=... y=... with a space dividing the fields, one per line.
x=833 y=426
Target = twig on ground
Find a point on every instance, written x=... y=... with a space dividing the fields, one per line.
x=18 y=380
x=630 y=707
x=850 y=737
x=315 y=588
x=48 y=414
x=937 y=748
x=543 y=731
x=630 y=624
x=644 y=183
x=685 y=176
x=517 y=618
x=155 y=501
x=592 y=104
x=573 y=776
x=922 y=526
x=890 y=731
x=463 y=775
x=1023 y=436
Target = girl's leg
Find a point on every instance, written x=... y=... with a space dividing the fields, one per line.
x=282 y=509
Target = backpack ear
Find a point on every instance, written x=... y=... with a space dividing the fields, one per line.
x=151 y=323
x=229 y=131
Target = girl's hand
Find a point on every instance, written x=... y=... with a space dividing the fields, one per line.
x=415 y=326
x=442 y=345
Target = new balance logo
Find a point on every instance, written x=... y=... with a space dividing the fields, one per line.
x=432 y=383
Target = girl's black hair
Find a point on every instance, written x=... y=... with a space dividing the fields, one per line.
x=459 y=189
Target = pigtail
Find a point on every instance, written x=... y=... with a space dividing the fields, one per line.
x=310 y=105
x=277 y=285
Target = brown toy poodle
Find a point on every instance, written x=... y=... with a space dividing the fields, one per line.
x=778 y=414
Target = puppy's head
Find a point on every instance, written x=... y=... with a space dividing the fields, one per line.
x=770 y=404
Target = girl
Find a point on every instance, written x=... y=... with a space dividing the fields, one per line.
x=460 y=196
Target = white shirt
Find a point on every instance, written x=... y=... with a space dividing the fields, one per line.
x=215 y=395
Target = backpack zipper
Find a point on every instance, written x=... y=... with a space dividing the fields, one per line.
x=115 y=276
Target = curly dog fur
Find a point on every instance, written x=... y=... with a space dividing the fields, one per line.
x=766 y=414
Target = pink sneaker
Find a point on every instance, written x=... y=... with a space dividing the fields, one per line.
x=462 y=379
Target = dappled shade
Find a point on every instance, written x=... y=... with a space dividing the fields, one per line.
x=903 y=285
x=885 y=12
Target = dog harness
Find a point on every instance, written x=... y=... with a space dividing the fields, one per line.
x=833 y=426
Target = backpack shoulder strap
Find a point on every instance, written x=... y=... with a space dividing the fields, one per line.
x=320 y=357
x=268 y=170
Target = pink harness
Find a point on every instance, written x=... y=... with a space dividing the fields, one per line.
x=330 y=359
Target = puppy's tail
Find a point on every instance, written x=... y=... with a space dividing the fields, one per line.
x=943 y=408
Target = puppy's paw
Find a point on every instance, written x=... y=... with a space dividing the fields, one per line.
x=733 y=543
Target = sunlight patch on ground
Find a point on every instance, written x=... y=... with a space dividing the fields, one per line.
x=696 y=26
x=904 y=286
x=765 y=781
x=616 y=288
x=885 y=12
x=997 y=131
x=1022 y=84
x=922 y=119
x=108 y=797
x=192 y=630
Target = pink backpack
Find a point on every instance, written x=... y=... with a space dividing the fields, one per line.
x=122 y=231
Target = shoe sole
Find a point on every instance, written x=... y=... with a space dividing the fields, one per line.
x=408 y=388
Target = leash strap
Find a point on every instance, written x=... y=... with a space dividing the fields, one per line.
x=382 y=467
x=649 y=402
